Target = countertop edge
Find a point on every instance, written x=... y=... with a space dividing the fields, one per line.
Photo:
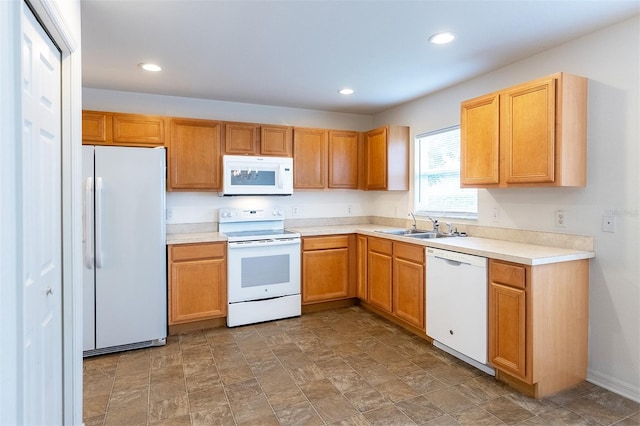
x=494 y=249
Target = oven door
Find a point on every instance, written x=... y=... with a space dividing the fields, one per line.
x=263 y=269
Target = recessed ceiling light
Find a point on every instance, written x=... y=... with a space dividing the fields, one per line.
x=345 y=91
x=442 y=38
x=150 y=67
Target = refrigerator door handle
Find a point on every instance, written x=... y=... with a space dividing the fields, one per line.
x=99 y=222
x=86 y=224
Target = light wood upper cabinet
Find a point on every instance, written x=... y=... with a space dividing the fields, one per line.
x=194 y=159
x=97 y=127
x=107 y=128
x=197 y=282
x=276 y=141
x=480 y=129
x=309 y=158
x=240 y=138
x=328 y=268
x=538 y=324
x=387 y=159
x=532 y=134
x=343 y=159
x=256 y=139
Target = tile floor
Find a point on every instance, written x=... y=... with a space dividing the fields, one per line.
x=344 y=367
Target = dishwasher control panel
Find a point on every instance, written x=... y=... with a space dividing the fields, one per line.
x=457 y=257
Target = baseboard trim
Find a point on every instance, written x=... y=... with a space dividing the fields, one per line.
x=614 y=385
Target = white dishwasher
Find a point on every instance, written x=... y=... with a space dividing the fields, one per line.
x=456 y=301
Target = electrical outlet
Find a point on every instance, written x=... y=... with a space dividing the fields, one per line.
x=349 y=209
x=608 y=223
x=561 y=219
x=169 y=215
x=495 y=215
x=295 y=211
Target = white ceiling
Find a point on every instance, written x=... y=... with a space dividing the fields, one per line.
x=298 y=53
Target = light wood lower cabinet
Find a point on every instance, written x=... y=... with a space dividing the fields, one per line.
x=379 y=272
x=328 y=268
x=538 y=324
x=362 y=287
x=395 y=279
x=197 y=282
x=409 y=284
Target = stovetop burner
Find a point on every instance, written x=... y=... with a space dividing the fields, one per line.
x=254 y=224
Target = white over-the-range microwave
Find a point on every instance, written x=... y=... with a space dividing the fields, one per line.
x=251 y=175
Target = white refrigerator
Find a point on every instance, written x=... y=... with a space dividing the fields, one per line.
x=124 y=251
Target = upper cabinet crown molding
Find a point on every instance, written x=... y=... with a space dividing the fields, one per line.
x=532 y=134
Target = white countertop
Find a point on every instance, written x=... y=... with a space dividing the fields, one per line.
x=527 y=254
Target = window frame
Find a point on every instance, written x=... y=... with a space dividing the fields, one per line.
x=419 y=208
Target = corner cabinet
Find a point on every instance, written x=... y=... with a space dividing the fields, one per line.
x=532 y=134
x=538 y=325
x=387 y=159
x=194 y=159
x=197 y=282
x=328 y=268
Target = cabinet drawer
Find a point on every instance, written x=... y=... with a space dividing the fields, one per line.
x=381 y=246
x=197 y=251
x=410 y=252
x=507 y=274
x=322 y=243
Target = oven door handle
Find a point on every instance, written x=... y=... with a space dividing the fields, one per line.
x=264 y=243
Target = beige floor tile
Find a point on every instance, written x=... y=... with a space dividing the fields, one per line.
x=162 y=411
x=334 y=408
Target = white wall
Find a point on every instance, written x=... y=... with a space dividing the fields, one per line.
x=610 y=60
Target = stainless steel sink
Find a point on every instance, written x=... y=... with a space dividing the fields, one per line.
x=413 y=233
x=403 y=232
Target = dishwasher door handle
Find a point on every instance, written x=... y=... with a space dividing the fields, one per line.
x=452 y=262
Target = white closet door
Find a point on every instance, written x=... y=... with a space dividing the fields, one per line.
x=41 y=231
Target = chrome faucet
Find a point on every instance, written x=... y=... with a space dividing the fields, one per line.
x=435 y=223
x=415 y=225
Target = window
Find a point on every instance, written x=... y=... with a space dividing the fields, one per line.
x=438 y=176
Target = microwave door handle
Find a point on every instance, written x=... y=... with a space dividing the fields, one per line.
x=281 y=177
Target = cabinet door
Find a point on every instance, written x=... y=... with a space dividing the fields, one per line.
x=507 y=318
x=309 y=158
x=376 y=159
x=275 y=141
x=480 y=141
x=325 y=275
x=361 y=265
x=409 y=284
x=194 y=155
x=379 y=273
x=240 y=138
x=138 y=130
x=343 y=159
x=528 y=134
x=197 y=282
x=96 y=127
